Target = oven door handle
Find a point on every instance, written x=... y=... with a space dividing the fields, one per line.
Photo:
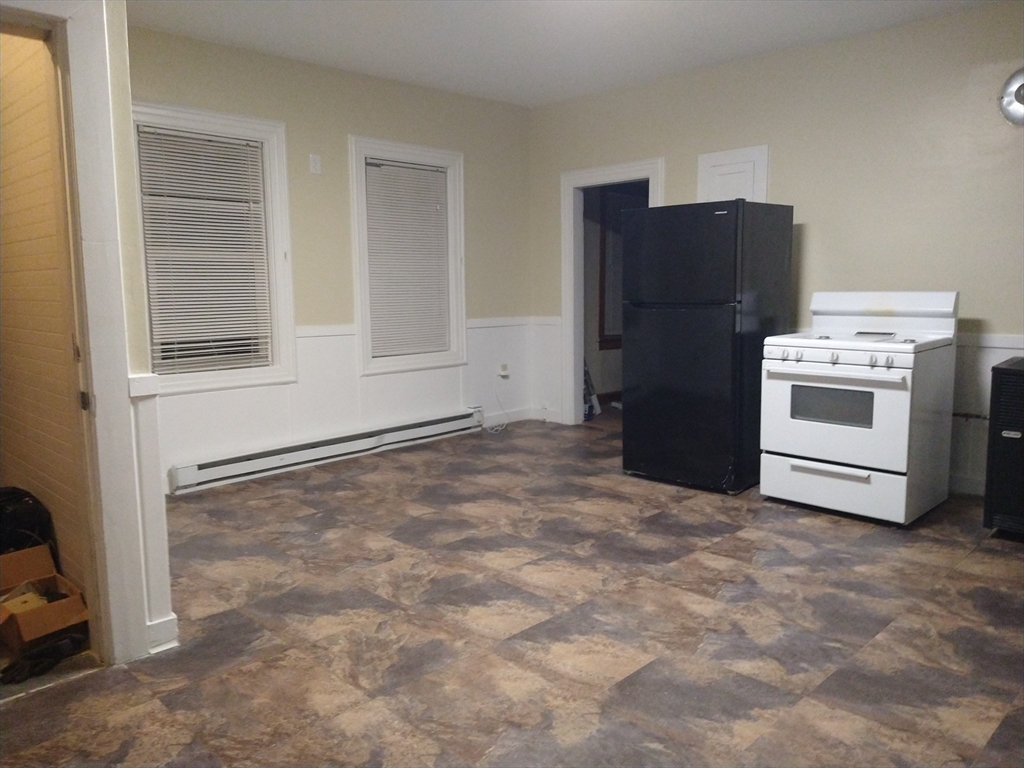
x=820 y=469
x=791 y=373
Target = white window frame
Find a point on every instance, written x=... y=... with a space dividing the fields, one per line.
x=272 y=135
x=361 y=148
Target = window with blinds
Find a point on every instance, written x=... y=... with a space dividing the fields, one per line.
x=204 y=218
x=407 y=255
x=407 y=219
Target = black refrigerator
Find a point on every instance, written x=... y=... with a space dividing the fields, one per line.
x=703 y=285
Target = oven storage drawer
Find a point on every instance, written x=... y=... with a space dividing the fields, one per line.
x=866 y=492
x=847 y=414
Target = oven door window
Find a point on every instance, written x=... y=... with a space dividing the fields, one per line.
x=847 y=407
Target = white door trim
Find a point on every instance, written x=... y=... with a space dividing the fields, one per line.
x=573 y=183
x=119 y=624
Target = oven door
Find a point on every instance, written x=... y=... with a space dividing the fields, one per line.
x=849 y=414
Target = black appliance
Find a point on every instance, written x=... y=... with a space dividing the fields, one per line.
x=1004 y=474
x=703 y=285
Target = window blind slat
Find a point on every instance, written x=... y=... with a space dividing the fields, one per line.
x=205 y=239
x=407 y=252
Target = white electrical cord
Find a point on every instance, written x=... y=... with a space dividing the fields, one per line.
x=495 y=429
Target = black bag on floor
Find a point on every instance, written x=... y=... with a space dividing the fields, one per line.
x=24 y=523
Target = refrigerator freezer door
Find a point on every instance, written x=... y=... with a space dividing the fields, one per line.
x=678 y=409
x=681 y=254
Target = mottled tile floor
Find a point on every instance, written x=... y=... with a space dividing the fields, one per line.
x=515 y=600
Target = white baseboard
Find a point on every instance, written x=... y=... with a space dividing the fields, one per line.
x=163 y=633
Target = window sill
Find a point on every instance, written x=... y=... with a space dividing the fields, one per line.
x=214 y=381
x=409 y=363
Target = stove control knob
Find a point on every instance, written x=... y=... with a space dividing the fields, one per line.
x=872 y=360
x=834 y=357
x=888 y=361
x=785 y=354
x=799 y=355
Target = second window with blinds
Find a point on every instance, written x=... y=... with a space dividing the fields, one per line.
x=408 y=239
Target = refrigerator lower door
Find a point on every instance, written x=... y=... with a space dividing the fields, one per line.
x=678 y=396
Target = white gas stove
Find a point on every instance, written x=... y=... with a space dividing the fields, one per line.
x=856 y=415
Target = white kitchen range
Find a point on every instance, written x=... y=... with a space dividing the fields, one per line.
x=856 y=415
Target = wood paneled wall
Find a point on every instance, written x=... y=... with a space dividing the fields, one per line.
x=42 y=448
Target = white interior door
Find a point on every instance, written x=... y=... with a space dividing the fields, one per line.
x=733 y=173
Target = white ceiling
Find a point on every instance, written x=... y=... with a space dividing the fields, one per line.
x=527 y=52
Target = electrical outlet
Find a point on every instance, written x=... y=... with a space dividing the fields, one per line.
x=314 y=164
x=503 y=371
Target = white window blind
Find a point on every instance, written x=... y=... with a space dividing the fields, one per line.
x=407 y=254
x=205 y=233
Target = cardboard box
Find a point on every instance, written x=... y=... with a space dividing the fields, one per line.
x=19 y=630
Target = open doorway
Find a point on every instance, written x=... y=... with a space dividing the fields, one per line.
x=603 y=208
x=574 y=189
x=43 y=446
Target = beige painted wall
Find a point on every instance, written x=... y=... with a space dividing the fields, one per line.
x=320 y=108
x=890 y=147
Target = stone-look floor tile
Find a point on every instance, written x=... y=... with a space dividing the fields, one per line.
x=215 y=572
x=714 y=713
x=618 y=512
x=372 y=734
x=383 y=659
x=142 y=735
x=979 y=600
x=707 y=574
x=69 y=710
x=670 y=620
x=689 y=527
x=1005 y=748
x=958 y=518
x=482 y=605
x=404 y=578
x=664 y=495
x=814 y=735
x=849 y=615
x=83 y=663
x=207 y=647
x=770 y=551
x=186 y=521
x=632 y=552
x=926 y=676
x=331 y=551
x=466 y=705
x=581 y=644
x=444 y=495
x=500 y=551
x=515 y=599
x=981 y=653
x=775 y=651
x=602 y=740
x=319 y=615
x=997 y=559
x=274 y=711
x=904 y=544
x=566 y=578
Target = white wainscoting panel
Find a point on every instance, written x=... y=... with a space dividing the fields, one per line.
x=492 y=343
x=547 y=369
x=326 y=396
x=975 y=356
x=330 y=399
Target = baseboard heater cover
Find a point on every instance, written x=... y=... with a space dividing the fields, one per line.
x=196 y=476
